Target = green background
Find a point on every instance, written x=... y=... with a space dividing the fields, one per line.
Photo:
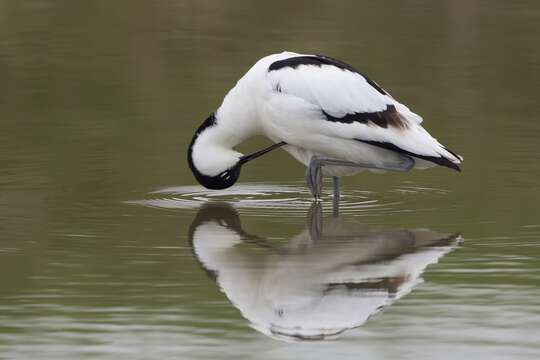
x=99 y=100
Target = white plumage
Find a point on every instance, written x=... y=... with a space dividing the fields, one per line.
x=317 y=106
x=317 y=284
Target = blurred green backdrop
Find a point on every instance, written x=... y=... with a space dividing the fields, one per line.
x=99 y=99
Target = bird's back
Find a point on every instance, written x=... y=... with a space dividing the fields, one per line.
x=319 y=105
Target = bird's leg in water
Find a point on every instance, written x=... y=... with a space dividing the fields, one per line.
x=314 y=171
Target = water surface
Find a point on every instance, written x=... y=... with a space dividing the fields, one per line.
x=109 y=249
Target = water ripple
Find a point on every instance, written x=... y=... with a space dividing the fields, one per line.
x=262 y=199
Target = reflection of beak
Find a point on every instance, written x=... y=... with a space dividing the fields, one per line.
x=244 y=159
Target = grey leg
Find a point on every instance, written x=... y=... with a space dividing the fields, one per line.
x=314 y=170
x=314 y=177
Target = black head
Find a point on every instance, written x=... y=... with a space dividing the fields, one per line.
x=228 y=177
x=224 y=179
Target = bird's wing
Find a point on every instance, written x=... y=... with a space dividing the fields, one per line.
x=356 y=107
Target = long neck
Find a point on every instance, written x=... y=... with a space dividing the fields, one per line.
x=236 y=118
x=211 y=150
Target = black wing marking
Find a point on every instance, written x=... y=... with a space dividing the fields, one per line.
x=318 y=60
x=388 y=117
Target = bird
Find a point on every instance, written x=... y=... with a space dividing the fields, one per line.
x=330 y=277
x=326 y=114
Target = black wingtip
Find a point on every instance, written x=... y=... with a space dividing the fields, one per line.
x=442 y=161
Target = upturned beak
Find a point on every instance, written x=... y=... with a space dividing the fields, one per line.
x=244 y=159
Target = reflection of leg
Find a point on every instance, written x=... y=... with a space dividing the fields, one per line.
x=314 y=170
x=335 y=185
x=314 y=220
x=335 y=200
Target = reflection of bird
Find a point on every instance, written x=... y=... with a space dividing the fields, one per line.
x=326 y=114
x=329 y=278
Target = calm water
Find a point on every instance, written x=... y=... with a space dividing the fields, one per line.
x=108 y=249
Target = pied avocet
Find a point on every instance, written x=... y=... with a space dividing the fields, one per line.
x=325 y=113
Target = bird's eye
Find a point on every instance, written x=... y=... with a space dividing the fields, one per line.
x=226 y=175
